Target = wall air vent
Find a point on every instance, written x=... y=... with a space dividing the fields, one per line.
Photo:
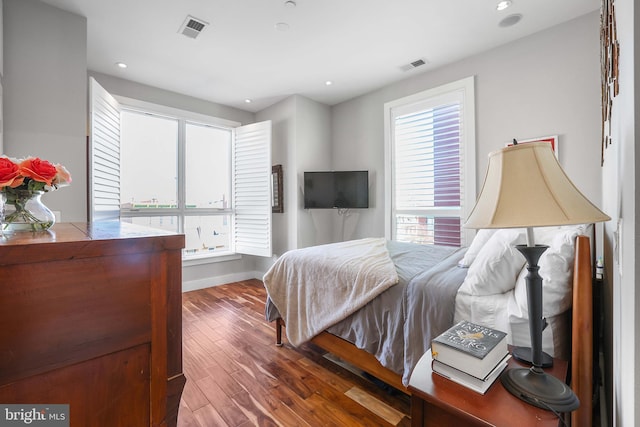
x=415 y=64
x=192 y=27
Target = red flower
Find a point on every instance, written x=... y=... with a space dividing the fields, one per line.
x=31 y=174
x=9 y=173
x=38 y=170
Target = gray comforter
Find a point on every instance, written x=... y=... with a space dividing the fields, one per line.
x=398 y=325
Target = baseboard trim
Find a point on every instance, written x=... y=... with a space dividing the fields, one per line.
x=194 y=285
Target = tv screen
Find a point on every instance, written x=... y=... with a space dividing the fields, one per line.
x=341 y=189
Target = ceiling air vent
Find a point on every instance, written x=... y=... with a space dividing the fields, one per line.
x=415 y=64
x=192 y=27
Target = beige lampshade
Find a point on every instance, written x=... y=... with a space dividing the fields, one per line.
x=526 y=187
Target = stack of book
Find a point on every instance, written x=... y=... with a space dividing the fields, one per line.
x=471 y=355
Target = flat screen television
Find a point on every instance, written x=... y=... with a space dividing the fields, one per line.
x=336 y=189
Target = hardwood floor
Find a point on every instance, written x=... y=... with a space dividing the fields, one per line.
x=236 y=376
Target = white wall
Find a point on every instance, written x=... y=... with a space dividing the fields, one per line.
x=301 y=142
x=45 y=94
x=154 y=95
x=622 y=301
x=544 y=84
x=313 y=153
x=283 y=119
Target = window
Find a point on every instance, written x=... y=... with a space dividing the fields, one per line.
x=430 y=162
x=182 y=172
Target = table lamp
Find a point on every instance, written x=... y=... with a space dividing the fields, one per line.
x=525 y=187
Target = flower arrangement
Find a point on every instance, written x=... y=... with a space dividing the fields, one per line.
x=31 y=174
x=22 y=181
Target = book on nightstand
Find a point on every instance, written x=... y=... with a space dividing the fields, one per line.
x=469 y=381
x=473 y=349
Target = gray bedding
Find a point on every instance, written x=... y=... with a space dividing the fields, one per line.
x=397 y=326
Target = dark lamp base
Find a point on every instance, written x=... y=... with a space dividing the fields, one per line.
x=523 y=354
x=539 y=389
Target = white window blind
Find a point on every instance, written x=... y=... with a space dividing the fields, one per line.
x=104 y=154
x=252 y=189
x=428 y=156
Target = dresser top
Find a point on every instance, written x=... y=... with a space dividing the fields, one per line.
x=77 y=239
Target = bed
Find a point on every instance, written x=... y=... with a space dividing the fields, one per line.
x=414 y=292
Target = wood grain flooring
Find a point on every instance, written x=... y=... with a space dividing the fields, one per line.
x=236 y=376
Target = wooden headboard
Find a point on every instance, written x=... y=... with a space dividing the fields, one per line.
x=582 y=334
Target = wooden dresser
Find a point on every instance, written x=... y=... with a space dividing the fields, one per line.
x=90 y=316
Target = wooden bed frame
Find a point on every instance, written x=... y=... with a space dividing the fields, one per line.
x=581 y=342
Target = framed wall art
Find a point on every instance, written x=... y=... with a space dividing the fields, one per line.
x=276 y=189
x=552 y=139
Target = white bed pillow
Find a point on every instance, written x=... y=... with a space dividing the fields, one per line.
x=487 y=310
x=478 y=242
x=496 y=267
x=556 y=270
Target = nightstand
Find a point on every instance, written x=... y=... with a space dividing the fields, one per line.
x=437 y=401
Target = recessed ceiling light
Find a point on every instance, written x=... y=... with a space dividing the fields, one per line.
x=282 y=26
x=328 y=83
x=121 y=65
x=290 y=4
x=247 y=101
x=510 y=20
x=502 y=5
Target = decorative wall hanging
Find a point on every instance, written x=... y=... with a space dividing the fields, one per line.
x=276 y=185
x=609 y=54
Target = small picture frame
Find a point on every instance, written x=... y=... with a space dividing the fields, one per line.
x=552 y=139
x=276 y=189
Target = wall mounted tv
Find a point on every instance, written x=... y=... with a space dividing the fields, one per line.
x=336 y=189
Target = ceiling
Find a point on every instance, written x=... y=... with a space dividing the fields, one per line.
x=359 y=45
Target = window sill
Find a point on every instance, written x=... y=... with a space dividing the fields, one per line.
x=209 y=258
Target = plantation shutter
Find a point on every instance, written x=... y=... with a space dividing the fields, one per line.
x=427 y=172
x=252 y=189
x=104 y=154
